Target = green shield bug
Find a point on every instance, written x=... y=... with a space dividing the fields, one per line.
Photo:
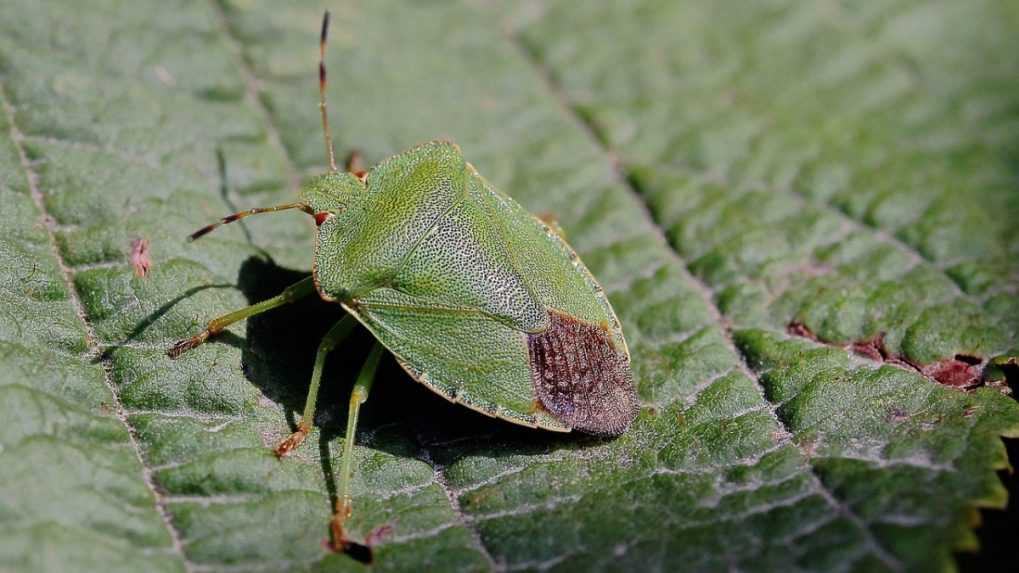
x=477 y=299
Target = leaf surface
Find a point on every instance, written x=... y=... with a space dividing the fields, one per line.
x=802 y=215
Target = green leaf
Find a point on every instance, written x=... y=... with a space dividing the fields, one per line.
x=802 y=214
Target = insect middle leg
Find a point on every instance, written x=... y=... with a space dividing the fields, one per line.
x=357 y=397
x=292 y=293
x=336 y=334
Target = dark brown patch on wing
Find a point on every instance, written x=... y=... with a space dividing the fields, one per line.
x=581 y=377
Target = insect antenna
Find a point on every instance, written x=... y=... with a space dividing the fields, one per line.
x=242 y=214
x=322 y=90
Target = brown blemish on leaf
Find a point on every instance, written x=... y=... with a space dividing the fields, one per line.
x=140 y=260
x=953 y=372
x=873 y=347
x=808 y=445
x=963 y=371
x=797 y=328
x=379 y=534
x=581 y=378
x=896 y=414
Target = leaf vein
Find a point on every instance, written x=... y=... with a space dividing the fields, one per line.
x=454 y=502
x=707 y=293
x=67 y=273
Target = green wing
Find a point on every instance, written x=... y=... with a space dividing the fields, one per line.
x=552 y=270
x=463 y=262
x=580 y=365
x=466 y=355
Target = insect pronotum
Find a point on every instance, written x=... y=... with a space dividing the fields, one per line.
x=477 y=299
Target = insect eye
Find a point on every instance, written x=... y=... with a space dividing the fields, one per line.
x=322 y=217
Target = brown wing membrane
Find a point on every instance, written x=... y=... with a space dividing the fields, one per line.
x=581 y=377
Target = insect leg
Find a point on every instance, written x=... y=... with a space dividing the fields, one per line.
x=355 y=165
x=292 y=293
x=336 y=334
x=357 y=397
x=553 y=223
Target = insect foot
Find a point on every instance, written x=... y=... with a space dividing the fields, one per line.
x=293 y=441
x=354 y=550
x=182 y=346
x=338 y=539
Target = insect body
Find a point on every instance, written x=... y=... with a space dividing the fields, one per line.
x=476 y=298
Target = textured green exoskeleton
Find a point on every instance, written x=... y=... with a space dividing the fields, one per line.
x=476 y=298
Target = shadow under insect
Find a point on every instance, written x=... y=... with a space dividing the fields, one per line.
x=279 y=352
x=402 y=418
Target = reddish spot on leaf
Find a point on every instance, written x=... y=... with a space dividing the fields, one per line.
x=797 y=328
x=379 y=534
x=140 y=257
x=963 y=371
x=953 y=372
x=873 y=347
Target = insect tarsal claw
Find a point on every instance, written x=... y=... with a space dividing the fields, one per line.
x=292 y=441
x=182 y=346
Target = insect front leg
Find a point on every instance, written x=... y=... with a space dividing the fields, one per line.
x=290 y=294
x=357 y=397
x=336 y=334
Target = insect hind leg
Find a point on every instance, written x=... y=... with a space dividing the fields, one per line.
x=338 y=333
x=343 y=501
